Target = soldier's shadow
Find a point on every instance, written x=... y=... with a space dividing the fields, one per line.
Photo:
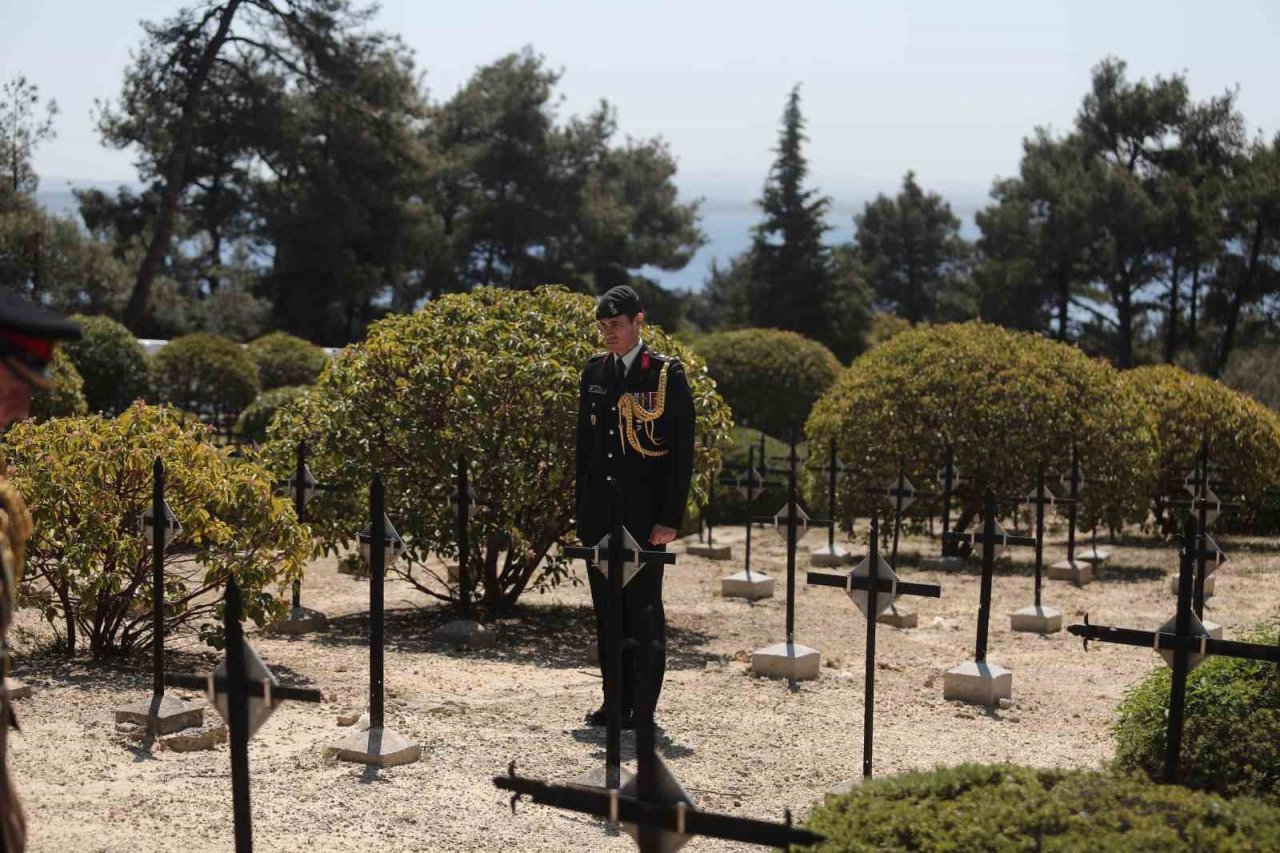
x=663 y=743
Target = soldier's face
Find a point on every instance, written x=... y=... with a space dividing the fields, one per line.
x=620 y=334
x=15 y=397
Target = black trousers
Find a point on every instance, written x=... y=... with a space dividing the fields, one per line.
x=644 y=591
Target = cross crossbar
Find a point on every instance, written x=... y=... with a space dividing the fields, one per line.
x=848 y=583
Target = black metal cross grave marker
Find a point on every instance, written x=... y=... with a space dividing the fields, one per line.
x=1038 y=619
x=1182 y=641
x=873 y=585
x=1079 y=573
x=160 y=714
x=378 y=745
x=465 y=630
x=1205 y=505
x=302 y=487
x=245 y=693
x=751 y=484
x=623 y=558
x=706 y=546
x=658 y=813
x=789 y=660
x=834 y=471
x=980 y=682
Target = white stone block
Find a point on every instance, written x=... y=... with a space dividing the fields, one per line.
x=1036 y=620
x=380 y=747
x=162 y=715
x=829 y=557
x=1093 y=556
x=976 y=683
x=899 y=616
x=301 y=620
x=791 y=661
x=1208 y=585
x=468 y=633
x=710 y=552
x=753 y=587
x=1077 y=572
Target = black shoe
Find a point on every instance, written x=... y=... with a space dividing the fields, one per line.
x=598 y=718
x=629 y=721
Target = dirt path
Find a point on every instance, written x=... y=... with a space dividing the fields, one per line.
x=740 y=744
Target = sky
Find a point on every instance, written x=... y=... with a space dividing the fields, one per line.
x=948 y=89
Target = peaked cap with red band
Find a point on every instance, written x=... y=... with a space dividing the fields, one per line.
x=28 y=333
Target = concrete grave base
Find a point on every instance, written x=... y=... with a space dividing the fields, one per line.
x=829 y=557
x=467 y=632
x=791 y=661
x=753 y=587
x=1093 y=557
x=1208 y=585
x=943 y=564
x=899 y=616
x=354 y=569
x=381 y=747
x=17 y=689
x=840 y=789
x=1036 y=620
x=1078 y=572
x=594 y=778
x=976 y=683
x=1214 y=629
x=301 y=620
x=162 y=715
x=202 y=739
x=710 y=552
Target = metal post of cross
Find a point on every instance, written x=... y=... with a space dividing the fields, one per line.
x=748 y=584
x=1038 y=619
x=160 y=714
x=302 y=487
x=465 y=631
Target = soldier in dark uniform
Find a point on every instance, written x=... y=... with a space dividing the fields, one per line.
x=27 y=337
x=635 y=440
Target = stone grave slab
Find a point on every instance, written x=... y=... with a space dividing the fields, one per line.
x=978 y=683
x=791 y=661
x=752 y=587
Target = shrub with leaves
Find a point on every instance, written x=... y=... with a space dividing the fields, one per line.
x=88 y=479
x=66 y=396
x=205 y=374
x=1007 y=808
x=1231 y=736
x=492 y=376
x=770 y=378
x=1252 y=371
x=1243 y=434
x=286 y=360
x=253 y=422
x=1006 y=402
x=112 y=363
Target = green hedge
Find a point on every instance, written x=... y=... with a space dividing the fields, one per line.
x=1244 y=435
x=65 y=398
x=112 y=363
x=1005 y=808
x=284 y=360
x=1231 y=737
x=253 y=422
x=770 y=378
x=1004 y=401
x=205 y=374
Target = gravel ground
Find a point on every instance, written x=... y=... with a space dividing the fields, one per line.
x=740 y=744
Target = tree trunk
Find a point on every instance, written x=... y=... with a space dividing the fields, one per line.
x=1193 y=331
x=175 y=176
x=1243 y=286
x=1171 y=330
x=1064 y=301
x=1124 y=320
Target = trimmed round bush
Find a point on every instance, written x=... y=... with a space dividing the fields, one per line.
x=112 y=363
x=1005 y=808
x=769 y=377
x=66 y=397
x=87 y=480
x=1231 y=735
x=253 y=421
x=1006 y=402
x=205 y=374
x=285 y=360
x=1243 y=434
x=492 y=376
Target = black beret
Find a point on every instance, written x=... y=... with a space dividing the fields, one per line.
x=618 y=301
x=27 y=335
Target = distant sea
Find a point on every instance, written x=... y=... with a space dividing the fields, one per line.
x=726 y=221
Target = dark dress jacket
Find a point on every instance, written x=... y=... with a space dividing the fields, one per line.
x=649 y=462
